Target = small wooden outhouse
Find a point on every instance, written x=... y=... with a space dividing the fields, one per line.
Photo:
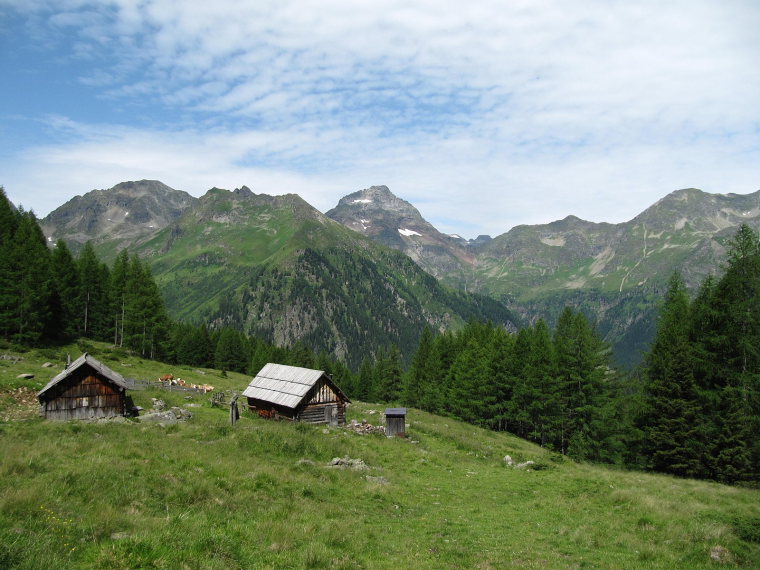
x=85 y=389
x=295 y=393
x=395 y=422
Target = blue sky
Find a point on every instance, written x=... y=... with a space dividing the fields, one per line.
x=484 y=114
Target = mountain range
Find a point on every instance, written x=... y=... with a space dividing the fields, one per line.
x=350 y=281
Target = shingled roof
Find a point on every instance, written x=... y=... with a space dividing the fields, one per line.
x=284 y=385
x=96 y=365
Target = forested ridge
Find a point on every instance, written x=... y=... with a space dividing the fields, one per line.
x=692 y=409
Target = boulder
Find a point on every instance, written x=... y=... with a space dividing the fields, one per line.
x=159 y=417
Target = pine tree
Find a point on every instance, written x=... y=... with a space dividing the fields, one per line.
x=582 y=364
x=419 y=378
x=94 y=306
x=67 y=292
x=733 y=379
x=9 y=270
x=388 y=373
x=673 y=440
x=231 y=353
x=30 y=283
x=365 y=382
x=543 y=390
x=118 y=295
x=145 y=323
x=503 y=367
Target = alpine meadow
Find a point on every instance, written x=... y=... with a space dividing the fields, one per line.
x=380 y=285
x=549 y=427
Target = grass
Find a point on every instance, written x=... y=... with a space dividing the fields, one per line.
x=203 y=494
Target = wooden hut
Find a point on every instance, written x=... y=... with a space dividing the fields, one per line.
x=395 y=422
x=299 y=394
x=85 y=389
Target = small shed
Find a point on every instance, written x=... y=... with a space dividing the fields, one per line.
x=395 y=422
x=85 y=389
x=299 y=394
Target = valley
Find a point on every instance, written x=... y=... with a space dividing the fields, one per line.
x=204 y=253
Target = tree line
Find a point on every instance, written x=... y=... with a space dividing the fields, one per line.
x=47 y=297
x=692 y=409
x=700 y=415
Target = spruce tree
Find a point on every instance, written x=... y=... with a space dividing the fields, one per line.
x=231 y=353
x=118 y=295
x=67 y=292
x=93 y=313
x=673 y=438
x=365 y=381
x=503 y=367
x=8 y=291
x=735 y=353
x=419 y=377
x=30 y=283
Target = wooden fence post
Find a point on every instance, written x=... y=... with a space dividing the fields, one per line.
x=234 y=412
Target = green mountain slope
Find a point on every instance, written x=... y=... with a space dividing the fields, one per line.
x=685 y=230
x=277 y=267
x=615 y=273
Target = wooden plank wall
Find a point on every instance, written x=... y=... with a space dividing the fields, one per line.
x=395 y=426
x=82 y=398
x=315 y=413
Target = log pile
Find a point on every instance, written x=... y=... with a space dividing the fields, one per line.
x=364 y=427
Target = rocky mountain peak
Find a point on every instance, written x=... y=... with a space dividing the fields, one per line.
x=701 y=211
x=243 y=192
x=382 y=216
x=124 y=214
x=378 y=198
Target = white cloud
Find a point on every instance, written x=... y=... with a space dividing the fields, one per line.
x=485 y=114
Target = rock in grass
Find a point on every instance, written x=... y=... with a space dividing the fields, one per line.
x=348 y=463
x=159 y=417
x=25 y=376
x=378 y=480
x=720 y=554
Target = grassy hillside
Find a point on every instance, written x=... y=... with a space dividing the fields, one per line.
x=260 y=495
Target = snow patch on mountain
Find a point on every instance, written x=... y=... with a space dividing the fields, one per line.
x=408 y=233
x=362 y=201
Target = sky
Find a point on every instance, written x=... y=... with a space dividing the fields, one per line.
x=483 y=114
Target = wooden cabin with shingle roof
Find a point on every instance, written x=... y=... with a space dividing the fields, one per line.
x=86 y=389
x=299 y=394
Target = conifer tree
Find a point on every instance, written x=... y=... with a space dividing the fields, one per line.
x=118 y=295
x=582 y=364
x=503 y=367
x=735 y=352
x=261 y=356
x=67 y=292
x=673 y=440
x=419 y=377
x=94 y=305
x=471 y=395
x=387 y=375
x=365 y=381
x=230 y=353
x=30 y=283
x=542 y=392
x=9 y=220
